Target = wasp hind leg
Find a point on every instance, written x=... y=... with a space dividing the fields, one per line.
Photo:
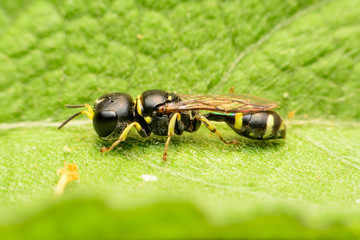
x=171 y=131
x=123 y=136
x=213 y=129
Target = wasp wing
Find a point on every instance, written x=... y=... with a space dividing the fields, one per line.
x=233 y=103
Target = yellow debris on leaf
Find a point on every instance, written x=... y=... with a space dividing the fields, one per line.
x=67 y=174
x=67 y=149
x=232 y=90
x=291 y=115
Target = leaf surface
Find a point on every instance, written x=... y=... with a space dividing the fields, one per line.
x=302 y=54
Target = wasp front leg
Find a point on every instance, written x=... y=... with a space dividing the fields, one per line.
x=171 y=131
x=123 y=136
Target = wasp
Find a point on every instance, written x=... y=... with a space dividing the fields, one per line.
x=166 y=113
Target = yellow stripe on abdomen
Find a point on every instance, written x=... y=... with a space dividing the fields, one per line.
x=238 y=121
x=269 y=126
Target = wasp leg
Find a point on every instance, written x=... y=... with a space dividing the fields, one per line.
x=171 y=130
x=123 y=136
x=212 y=128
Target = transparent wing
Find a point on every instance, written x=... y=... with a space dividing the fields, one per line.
x=232 y=103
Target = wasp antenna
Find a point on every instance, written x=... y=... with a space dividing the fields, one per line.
x=69 y=119
x=75 y=106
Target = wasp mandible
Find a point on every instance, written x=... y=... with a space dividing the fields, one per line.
x=166 y=113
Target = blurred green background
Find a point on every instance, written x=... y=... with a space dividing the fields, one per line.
x=302 y=54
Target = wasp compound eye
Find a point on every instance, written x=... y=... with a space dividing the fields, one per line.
x=104 y=122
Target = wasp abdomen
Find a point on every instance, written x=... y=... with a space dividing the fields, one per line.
x=258 y=125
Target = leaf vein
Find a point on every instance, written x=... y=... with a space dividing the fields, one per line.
x=266 y=37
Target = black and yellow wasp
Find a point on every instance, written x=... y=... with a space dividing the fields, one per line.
x=166 y=113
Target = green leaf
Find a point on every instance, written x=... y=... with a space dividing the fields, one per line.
x=303 y=54
x=316 y=169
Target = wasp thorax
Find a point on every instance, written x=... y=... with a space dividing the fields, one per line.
x=109 y=109
x=153 y=99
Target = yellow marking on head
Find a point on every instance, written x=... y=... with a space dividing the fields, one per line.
x=238 y=121
x=97 y=101
x=169 y=98
x=138 y=105
x=147 y=119
x=269 y=126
